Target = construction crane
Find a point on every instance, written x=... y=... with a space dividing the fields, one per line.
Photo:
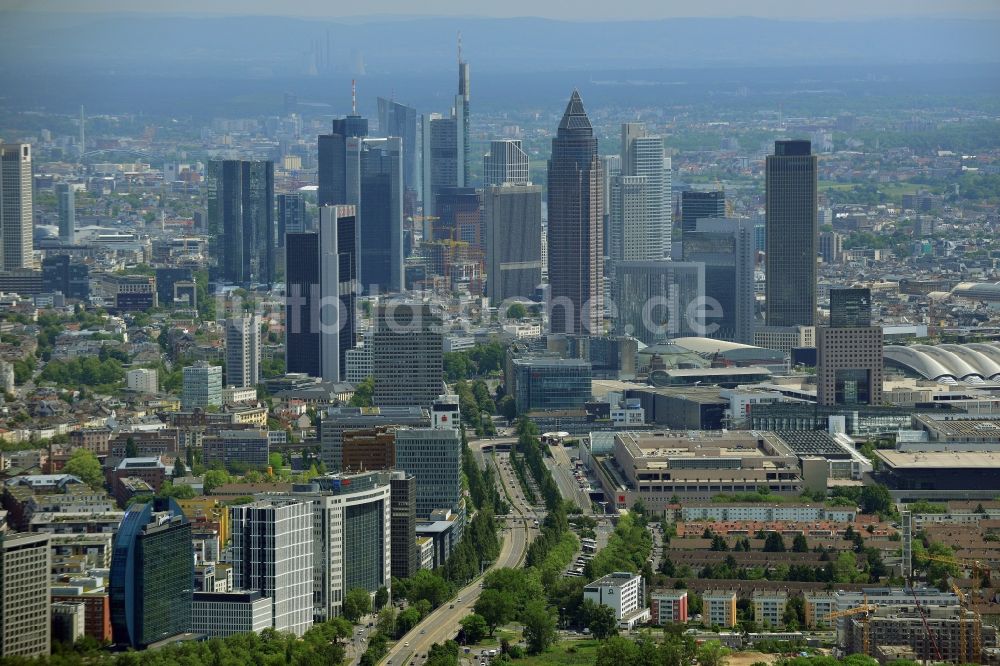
x=927 y=628
x=865 y=610
x=980 y=570
x=977 y=626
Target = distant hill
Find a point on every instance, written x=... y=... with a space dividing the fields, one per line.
x=242 y=64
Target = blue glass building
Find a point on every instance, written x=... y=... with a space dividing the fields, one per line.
x=152 y=574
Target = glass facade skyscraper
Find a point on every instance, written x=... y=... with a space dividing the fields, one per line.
x=512 y=215
x=575 y=238
x=395 y=119
x=152 y=574
x=318 y=336
x=701 y=205
x=792 y=234
x=654 y=299
x=552 y=383
x=291 y=216
x=242 y=233
x=380 y=227
x=725 y=246
x=272 y=553
x=434 y=457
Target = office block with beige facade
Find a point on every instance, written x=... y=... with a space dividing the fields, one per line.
x=696 y=466
x=818 y=606
x=769 y=607
x=719 y=608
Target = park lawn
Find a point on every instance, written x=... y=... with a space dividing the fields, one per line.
x=585 y=652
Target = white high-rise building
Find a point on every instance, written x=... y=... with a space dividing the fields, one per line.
x=142 y=380
x=506 y=163
x=640 y=212
x=15 y=206
x=351 y=541
x=243 y=351
x=272 y=553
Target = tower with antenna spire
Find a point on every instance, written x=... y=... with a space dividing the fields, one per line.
x=462 y=115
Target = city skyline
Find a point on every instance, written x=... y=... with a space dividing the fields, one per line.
x=428 y=338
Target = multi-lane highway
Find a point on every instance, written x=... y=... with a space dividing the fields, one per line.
x=442 y=624
x=562 y=471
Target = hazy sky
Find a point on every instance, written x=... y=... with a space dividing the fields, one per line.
x=567 y=9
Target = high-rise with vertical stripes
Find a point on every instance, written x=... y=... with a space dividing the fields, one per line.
x=15 y=206
x=576 y=209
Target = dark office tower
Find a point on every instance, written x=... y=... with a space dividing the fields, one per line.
x=241 y=228
x=404 y=556
x=726 y=248
x=792 y=235
x=407 y=355
x=395 y=119
x=166 y=278
x=462 y=117
x=850 y=308
x=291 y=216
x=379 y=165
x=440 y=158
x=302 y=339
x=576 y=210
x=72 y=279
x=332 y=172
x=352 y=125
x=513 y=220
x=849 y=352
x=320 y=320
x=152 y=574
x=701 y=205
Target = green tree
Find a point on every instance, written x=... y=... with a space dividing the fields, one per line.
x=876 y=499
x=711 y=653
x=381 y=598
x=617 y=651
x=539 y=627
x=799 y=544
x=517 y=311
x=179 y=469
x=357 y=603
x=213 y=479
x=774 y=543
x=507 y=407
x=131 y=450
x=475 y=628
x=425 y=585
x=600 y=619
x=275 y=461
x=845 y=568
x=363 y=393
x=406 y=620
x=84 y=465
x=496 y=607
x=795 y=612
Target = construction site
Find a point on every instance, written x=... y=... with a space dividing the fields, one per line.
x=914 y=624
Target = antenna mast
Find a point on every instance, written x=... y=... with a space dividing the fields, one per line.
x=354 y=98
